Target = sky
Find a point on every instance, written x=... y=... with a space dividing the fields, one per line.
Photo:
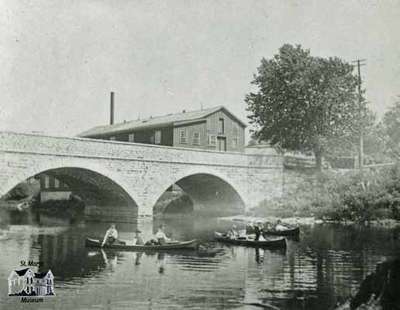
x=60 y=59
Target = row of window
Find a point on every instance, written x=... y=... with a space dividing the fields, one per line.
x=212 y=139
x=183 y=136
x=156 y=139
x=57 y=183
x=29 y=280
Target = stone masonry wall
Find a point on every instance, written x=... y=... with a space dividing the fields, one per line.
x=143 y=171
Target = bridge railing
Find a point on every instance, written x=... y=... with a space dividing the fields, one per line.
x=90 y=148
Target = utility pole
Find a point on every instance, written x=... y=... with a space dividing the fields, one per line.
x=360 y=62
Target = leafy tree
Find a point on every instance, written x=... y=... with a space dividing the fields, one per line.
x=303 y=102
x=391 y=129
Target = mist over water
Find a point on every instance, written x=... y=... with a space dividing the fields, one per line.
x=324 y=267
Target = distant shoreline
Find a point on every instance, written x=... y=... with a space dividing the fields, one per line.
x=308 y=221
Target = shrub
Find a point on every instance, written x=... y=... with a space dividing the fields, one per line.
x=351 y=196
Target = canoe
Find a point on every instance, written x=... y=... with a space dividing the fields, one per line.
x=287 y=232
x=95 y=243
x=272 y=243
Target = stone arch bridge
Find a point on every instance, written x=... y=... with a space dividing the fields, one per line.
x=141 y=173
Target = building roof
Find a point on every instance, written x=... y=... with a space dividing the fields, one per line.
x=40 y=275
x=22 y=271
x=157 y=122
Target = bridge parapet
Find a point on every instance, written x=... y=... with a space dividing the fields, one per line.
x=90 y=148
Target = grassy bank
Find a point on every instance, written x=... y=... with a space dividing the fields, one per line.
x=350 y=196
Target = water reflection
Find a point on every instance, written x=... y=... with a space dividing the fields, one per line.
x=323 y=268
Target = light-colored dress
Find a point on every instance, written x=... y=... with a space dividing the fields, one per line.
x=110 y=233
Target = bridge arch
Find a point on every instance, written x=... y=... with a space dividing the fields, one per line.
x=210 y=191
x=80 y=178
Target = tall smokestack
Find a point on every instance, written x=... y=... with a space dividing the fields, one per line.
x=112 y=108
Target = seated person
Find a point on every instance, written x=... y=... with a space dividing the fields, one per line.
x=279 y=226
x=232 y=233
x=111 y=236
x=268 y=226
x=250 y=229
x=152 y=241
x=161 y=236
x=138 y=238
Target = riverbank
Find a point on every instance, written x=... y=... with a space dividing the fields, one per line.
x=336 y=196
x=308 y=221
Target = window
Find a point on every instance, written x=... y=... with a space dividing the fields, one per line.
x=157 y=137
x=234 y=142
x=221 y=126
x=56 y=183
x=212 y=140
x=46 y=181
x=131 y=137
x=235 y=139
x=196 y=138
x=112 y=138
x=183 y=136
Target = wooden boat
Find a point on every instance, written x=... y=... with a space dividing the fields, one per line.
x=291 y=231
x=95 y=243
x=272 y=243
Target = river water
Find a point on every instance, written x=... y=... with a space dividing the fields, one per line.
x=316 y=272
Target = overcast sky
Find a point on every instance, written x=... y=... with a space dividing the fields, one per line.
x=60 y=59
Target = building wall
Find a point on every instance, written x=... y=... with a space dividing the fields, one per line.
x=49 y=183
x=233 y=130
x=229 y=124
x=211 y=127
x=59 y=195
x=190 y=130
x=142 y=136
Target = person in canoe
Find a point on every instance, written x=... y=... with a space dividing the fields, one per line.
x=249 y=229
x=232 y=233
x=111 y=236
x=161 y=236
x=257 y=231
x=279 y=226
x=138 y=238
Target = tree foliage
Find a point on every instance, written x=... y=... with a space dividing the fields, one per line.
x=303 y=101
x=390 y=130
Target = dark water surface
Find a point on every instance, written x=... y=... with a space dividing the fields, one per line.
x=324 y=267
